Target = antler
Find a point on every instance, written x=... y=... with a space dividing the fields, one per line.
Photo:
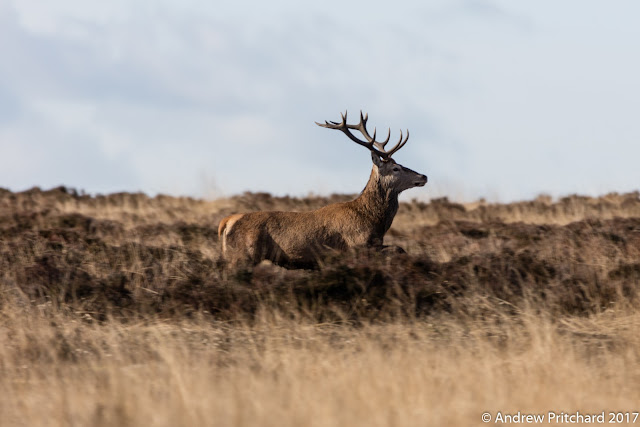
x=371 y=143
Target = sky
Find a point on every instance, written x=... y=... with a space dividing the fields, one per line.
x=504 y=100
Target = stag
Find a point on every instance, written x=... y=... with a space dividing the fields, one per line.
x=299 y=238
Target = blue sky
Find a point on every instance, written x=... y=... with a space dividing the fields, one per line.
x=504 y=100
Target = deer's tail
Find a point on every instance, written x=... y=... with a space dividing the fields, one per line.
x=225 y=227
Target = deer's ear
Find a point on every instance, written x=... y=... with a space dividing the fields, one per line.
x=376 y=159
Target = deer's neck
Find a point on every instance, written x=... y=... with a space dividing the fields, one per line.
x=378 y=204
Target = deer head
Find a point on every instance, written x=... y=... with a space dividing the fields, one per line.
x=391 y=175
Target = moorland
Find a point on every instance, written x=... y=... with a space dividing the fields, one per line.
x=117 y=310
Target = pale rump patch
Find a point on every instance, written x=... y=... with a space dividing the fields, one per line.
x=227 y=223
x=225 y=226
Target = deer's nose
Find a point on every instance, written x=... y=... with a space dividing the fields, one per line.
x=422 y=181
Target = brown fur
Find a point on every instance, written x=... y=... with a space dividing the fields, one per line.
x=298 y=238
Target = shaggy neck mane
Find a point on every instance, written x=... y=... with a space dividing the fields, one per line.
x=379 y=204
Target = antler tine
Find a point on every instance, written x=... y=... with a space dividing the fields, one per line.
x=363 y=119
x=400 y=143
x=382 y=144
x=330 y=124
x=371 y=143
x=344 y=127
x=362 y=128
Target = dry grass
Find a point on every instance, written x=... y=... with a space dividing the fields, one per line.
x=113 y=311
x=60 y=371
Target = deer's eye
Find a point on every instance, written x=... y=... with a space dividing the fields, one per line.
x=396 y=169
